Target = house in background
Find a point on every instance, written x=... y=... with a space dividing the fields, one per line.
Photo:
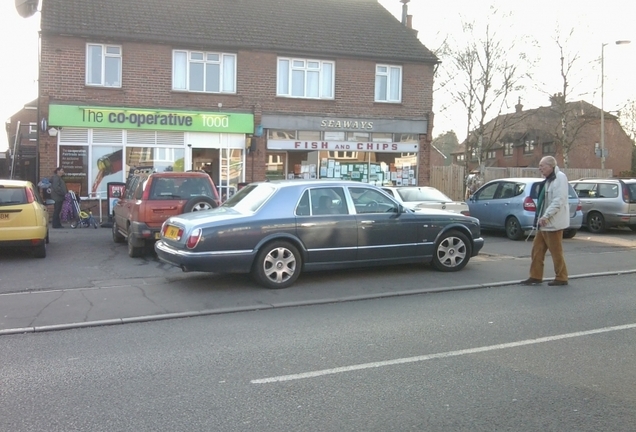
x=246 y=90
x=22 y=135
x=522 y=138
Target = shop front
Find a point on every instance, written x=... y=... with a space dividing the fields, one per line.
x=99 y=145
x=377 y=151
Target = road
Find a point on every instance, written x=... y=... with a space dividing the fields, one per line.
x=88 y=280
x=506 y=358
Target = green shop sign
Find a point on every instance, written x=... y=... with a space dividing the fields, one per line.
x=148 y=119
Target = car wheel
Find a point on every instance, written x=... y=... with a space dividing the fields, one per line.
x=117 y=237
x=569 y=233
x=47 y=236
x=198 y=204
x=39 y=251
x=452 y=252
x=134 y=251
x=513 y=228
x=277 y=265
x=596 y=223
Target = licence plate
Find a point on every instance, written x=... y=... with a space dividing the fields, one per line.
x=157 y=235
x=172 y=232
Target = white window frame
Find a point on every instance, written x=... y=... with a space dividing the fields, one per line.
x=182 y=61
x=509 y=149
x=288 y=69
x=105 y=55
x=393 y=90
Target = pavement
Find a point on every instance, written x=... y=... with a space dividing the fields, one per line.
x=105 y=291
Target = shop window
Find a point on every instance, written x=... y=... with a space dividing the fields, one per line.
x=304 y=78
x=334 y=136
x=358 y=136
x=382 y=137
x=275 y=166
x=103 y=65
x=281 y=134
x=343 y=155
x=388 y=83
x=308 y=135
x=209 y=72
x=407 y=138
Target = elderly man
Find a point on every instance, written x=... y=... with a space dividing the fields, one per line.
x=551 y=218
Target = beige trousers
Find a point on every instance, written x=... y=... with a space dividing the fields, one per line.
x=548 y=241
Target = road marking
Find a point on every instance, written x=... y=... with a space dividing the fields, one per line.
x=363 y=366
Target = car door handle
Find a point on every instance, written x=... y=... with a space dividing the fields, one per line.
x=164 y=208
x=367 y=222
x=307 y=225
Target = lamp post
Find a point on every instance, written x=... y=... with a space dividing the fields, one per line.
x=618 y=42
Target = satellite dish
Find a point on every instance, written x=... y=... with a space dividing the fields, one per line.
x=26 y=8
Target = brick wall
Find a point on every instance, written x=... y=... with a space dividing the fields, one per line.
x=147 y=82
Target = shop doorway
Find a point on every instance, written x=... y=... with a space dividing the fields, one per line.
x=225 y=166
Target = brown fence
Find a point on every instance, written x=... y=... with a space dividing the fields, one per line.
x=450 y=179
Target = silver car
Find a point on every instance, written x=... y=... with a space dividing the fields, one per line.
x=607 y=203
x=509 y=204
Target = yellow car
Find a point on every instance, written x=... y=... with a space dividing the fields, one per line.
x=23 y=217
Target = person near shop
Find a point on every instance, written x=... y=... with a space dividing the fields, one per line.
x=58 y=193
x=551 y=218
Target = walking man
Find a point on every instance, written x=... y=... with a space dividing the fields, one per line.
x=551 y=218
x=58 y=193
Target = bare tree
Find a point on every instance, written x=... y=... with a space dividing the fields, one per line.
x=485 y=72
x=571 y=118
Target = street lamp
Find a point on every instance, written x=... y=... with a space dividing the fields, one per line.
x=618 y=42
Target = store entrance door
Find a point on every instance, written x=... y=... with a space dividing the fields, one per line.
x=225 y=166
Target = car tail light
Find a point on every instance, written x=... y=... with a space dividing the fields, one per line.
x=626 y=197
x=529 y=205
x=579 y=207
x=29 y=195
x=465 y=212
x=146 y=194
x=193 y=239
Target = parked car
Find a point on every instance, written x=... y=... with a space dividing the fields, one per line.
x=422 y=197
x=149 y=199
x=24 y=220
x=607 y=203
x=509 y=204
x=274 y=230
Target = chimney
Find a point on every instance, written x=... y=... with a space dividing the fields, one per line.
x=409 y=21
x=519 y=107
x=405 y=16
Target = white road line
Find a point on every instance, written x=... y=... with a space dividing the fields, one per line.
x=343 y=369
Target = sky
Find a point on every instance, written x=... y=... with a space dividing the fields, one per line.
x=594 y=23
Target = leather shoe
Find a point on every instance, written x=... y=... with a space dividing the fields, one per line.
x=557 y=283
x=531 y=281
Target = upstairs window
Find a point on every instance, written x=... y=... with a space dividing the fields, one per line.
x=508 y=149
x=103 y=65
x=528 y=147
x=491 y=154
x=206 y=72
x=303 y=78
x=388 y=83
x=548 y=148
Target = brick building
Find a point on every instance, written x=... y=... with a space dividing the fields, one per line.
x=246 y=90
x=22 y=134
x=522 y=138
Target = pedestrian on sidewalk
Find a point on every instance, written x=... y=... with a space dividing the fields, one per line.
x=58 y=192
x=551 y=218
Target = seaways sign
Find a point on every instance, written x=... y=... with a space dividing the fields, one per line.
x=148 y=119
x=384 y=147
